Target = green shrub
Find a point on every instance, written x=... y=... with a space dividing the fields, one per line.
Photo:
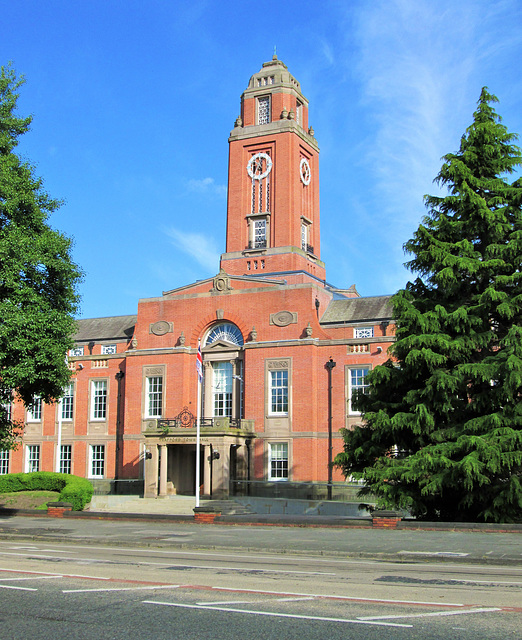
x=78 y=491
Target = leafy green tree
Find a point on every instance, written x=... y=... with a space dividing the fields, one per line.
x=443 y=417
x=38 y=279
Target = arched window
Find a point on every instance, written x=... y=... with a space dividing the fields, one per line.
x=225 y=331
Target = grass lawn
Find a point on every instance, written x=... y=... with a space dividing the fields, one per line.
x=28 y=499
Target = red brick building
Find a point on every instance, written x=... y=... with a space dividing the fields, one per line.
x=268 y=323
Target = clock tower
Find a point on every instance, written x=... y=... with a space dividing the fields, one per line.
x=273 y=182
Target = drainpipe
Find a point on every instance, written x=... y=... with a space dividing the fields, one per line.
x=329 y=366
x=119 y=431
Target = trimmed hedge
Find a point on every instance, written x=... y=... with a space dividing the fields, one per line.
x=78 y=491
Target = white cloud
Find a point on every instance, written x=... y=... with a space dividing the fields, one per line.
x=208 y=186
x=202 y=248
x=420 y=65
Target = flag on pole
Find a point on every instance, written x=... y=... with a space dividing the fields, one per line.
x=199 y=363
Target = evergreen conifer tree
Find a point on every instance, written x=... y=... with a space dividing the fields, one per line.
x=37 y=276
x=443 y=417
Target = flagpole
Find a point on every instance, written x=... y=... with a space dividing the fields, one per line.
x=59 y=435
x=199 y=367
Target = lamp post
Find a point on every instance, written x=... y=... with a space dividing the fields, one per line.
x=329 y=366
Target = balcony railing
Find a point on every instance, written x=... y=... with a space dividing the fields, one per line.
x=257 y=244
x=187 y=420
x=204 y=423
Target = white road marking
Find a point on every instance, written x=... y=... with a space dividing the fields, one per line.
x=30 y=578
x=213 y=604
x=456 y=554
x=203 y=604
x=147 y=588
x=492 y=581
x=276 y=615
x=8 y=586
x=335 y=597
x=432 y=615
x=49 y=573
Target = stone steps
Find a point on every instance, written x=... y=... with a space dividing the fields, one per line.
x=171 y=505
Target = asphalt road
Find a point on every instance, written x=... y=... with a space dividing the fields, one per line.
x=69 y=590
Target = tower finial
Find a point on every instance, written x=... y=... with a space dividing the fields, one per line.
x=274 y=57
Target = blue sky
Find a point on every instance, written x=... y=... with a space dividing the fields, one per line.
x=133 y=102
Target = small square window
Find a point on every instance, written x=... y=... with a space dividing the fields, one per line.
x=77 y=351
x=363 y=332
x=108 y=349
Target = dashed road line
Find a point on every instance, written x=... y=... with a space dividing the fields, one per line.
x=432 y=614
x=277 y=615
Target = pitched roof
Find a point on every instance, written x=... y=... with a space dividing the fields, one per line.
x=373 y=308
x=112 y=328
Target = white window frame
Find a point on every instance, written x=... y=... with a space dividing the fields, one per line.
x=354 y=375
x=264 y=118
x=260 y=225
x=222 y=398
x=32 y=458
x=66 y=404
x=109 y=349
x=96 y=457
x=154 y=396
x=363 y=332
x=8 y=408
x=4 y=462
x=76 y=352
x=278 y=380
x=278 y=461
x=35 y=412
x=299 y=113
x=99 y=390
x=65 y=465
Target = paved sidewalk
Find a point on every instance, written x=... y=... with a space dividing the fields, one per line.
x=347 y=542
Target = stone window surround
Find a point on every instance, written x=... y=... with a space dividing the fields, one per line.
x=348 y=386
x=234 y=355
x=30 y=413
x=251 y=217
x=152 y=371
x=277 y=364
x=60 y=406
x=268 y=458
x=92 y=386
x=32 y=454
x=92 y=459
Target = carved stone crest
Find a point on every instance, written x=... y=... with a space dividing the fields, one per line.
x=283 y=318
x=161 y=327
x=279 y=364
x=221 y=283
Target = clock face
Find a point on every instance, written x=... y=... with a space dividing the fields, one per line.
x=304 y=171
x=259 y=166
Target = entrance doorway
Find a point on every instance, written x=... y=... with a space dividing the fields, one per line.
x=181 y=468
